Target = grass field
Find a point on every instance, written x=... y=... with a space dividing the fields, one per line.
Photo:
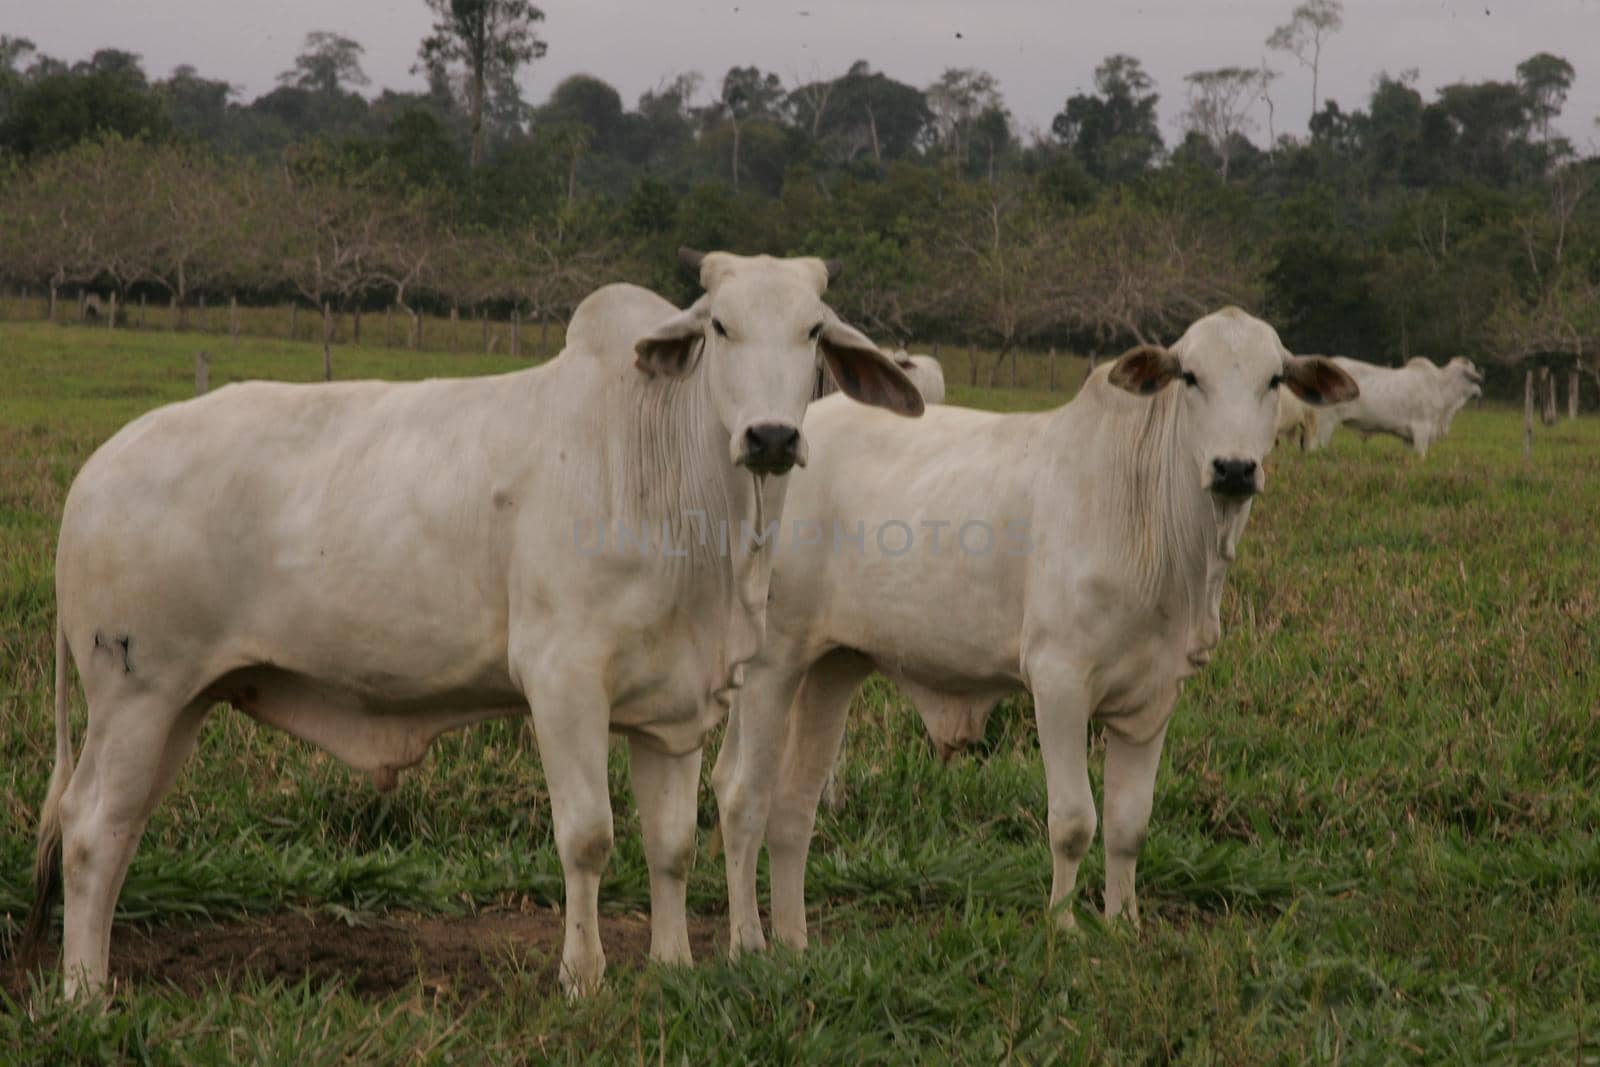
x=1373 y=838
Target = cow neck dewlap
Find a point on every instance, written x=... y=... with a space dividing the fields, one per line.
x=1175 y=538
x=680 y=483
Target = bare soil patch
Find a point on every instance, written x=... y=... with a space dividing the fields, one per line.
x=464 y=956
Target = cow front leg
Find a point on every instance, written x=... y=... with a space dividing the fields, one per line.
x=1421 y=437
x=571 y=723
x=1061 y=707
x=1130 y=787
x=665 y=787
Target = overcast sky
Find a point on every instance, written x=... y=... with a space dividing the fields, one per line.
x=1041 y=51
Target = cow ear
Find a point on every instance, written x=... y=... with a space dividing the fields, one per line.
x=1319 y=381
x=1144 y=370
x=673 y=348
x=864 y=373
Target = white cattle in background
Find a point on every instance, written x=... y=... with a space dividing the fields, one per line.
x=1077 y=553
x=367 y=564
x=1415 y=403
x=924 y=371
x=1297 y=421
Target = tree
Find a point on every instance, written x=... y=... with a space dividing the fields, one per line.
x=1114 y=134
x=326 y=64
x=104 y=96
x=1001 y=266
x=957 y=100
x=748 y=94
x=1146 y=270
x=207 y=216
x=196 y=106
x=43 y=234
x=1545 y=80
x=590 y=101
x=1219 y=107
x=491 y=39
x=14 y=51
x=863 y=111
x=1302 y=36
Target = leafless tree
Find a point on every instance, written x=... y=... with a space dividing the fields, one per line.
x=1219 y=106
x=1310 y=23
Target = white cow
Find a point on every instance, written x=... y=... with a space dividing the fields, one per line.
x=924 y=371
x=368 y=564
x=1415 y=403
x=1077 y=553
x=1297 y=421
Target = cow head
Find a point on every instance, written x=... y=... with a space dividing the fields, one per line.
x=1468 y=377
x=1231 y=367
x=756 y=334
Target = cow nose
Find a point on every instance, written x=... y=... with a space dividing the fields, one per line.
x=1233 y=477
x=771 y=447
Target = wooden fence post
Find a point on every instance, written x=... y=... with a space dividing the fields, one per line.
x=202 y=372
x=416 y=329
x=516 y=333
x=111 y=318
x=327 y=342
x=233 y=318
x=1547 y=396
x=455 y=323
x=1527 y=415
x=1572 y=392
x=174 y=314
x=52 y=303
x=294 y=320
x=355 y=324
x=1052 y=358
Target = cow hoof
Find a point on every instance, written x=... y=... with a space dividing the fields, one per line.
x=746 y=939
x=795 y=940
x=582 y=981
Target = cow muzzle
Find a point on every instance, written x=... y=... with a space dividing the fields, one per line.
x=772 y=448
x=1235 y=478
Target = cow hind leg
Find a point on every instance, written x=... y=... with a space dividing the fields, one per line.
x=746 y=767
x=664 y=788
x=131 y=755
x=816 y=727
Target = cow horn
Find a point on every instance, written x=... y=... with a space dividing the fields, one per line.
x=835 y=268
x=690 y=259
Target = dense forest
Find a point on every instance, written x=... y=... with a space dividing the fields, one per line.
x=1390 y=228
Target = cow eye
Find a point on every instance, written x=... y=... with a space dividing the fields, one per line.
x=1190 y=379
x=816 y=332
x=716 y=324
x=1276 y=380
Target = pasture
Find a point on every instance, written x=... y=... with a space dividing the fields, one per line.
x=1373 y=837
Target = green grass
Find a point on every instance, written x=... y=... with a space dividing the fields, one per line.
x=1373 y=837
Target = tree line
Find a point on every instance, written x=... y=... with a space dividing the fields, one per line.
x=1457 y=225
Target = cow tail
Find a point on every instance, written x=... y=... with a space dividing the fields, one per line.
x=47 y=857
